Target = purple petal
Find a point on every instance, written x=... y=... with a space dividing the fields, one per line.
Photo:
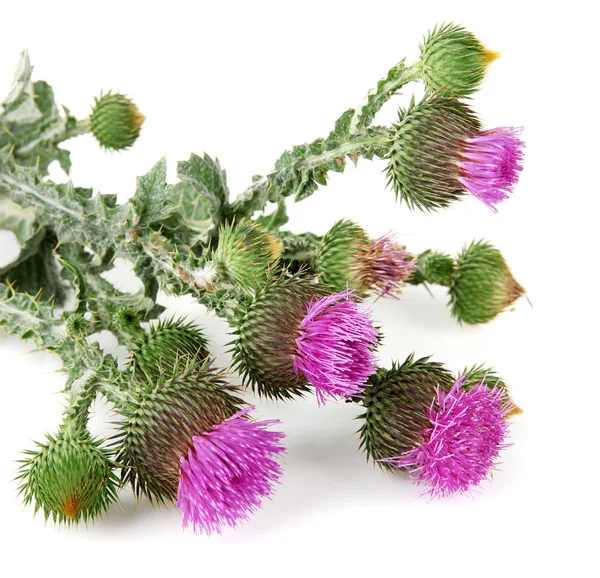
x=335 y=349
x=490 y=164
x=227 y=471
x=461 y=447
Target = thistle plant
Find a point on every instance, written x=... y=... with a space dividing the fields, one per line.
x=294 y=302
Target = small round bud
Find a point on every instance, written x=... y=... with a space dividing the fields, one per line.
x=70 y=477
x=77 y=325
x=156 y=354
x=246 y=254
x=438 y=268
x=484 y=285
x=116 y=121
x=453 y=61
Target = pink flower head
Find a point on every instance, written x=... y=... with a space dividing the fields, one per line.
x=227 y=471
x=335 y=348
x=490 y=164
x=387 y=265
x=460 y=447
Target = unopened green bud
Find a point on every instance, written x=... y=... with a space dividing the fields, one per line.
x=156 y=354
x=484 y=285
x=70 y=477
x=116 y=121
x=453 y=61
x=246 y=254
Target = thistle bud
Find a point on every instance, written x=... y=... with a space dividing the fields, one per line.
x=292 y=335
x=453 y=61
x=185 y=440
x=422 y=420
x=484 y=285
x=439 y=153
x=246 y=254
x=348 y=259
x=70 y=477
x=156 y=354
x=116 y=121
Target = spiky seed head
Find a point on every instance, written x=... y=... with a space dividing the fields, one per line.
x=348 y=259
x=246 y=254
x=155 y=355
x=484 y=285
x=267 y=327
x=116 y=121
x=396 y=404
x=453 y=61
x=160 y=421
x=70 y=477
x=423 y=158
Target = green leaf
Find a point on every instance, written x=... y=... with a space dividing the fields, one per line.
x=16 y=219
x=151 y=201
x=276 y=219
x=210 y=182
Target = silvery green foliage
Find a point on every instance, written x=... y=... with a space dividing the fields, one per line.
x=71 y=235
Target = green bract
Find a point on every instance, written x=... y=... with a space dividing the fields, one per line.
x=453 y=61
x=116 y=121
x=338 y=259
x=160 y=419
x=70 y=477
x=427 y=142
x=156 y=354
x=267 y=326
x=396 y=403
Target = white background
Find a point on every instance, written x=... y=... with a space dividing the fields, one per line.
x=244 y=81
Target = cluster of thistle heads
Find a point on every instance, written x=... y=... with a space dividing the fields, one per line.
x=299 y=325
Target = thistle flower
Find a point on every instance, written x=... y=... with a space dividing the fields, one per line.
x=347 y=258
x=453 y=61
x=70 y=477
x=483 y=286
x=447 y=432
x=116 y=121
x=461 y=444
x=490 y=163
x=439 y=153
x=227 y=471
x=335 y=348
x=185 y=440
x=292 y=335
x=246 y=254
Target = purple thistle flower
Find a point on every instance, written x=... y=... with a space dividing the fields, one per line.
x=227 y=471
x=490 y=164
x=335 y=348
x=386 y=264
x=460 y=447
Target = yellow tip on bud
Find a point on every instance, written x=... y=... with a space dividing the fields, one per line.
x=71 y=507
x=489 y=56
